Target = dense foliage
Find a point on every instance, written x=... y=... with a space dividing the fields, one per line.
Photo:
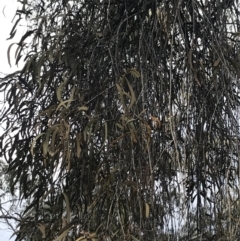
x=123 y=123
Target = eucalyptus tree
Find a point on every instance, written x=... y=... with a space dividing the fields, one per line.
x=123 y=122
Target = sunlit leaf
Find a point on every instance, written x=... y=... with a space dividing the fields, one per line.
x=147 y=210
x=41 y=227
x=134 y=73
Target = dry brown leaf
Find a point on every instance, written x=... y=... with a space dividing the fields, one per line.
x=156 y=122
x=216 y=62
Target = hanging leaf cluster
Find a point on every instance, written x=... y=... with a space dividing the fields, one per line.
x=123 y=122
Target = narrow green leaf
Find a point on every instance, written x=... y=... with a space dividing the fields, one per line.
x=8 y=53
x=67 y=207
